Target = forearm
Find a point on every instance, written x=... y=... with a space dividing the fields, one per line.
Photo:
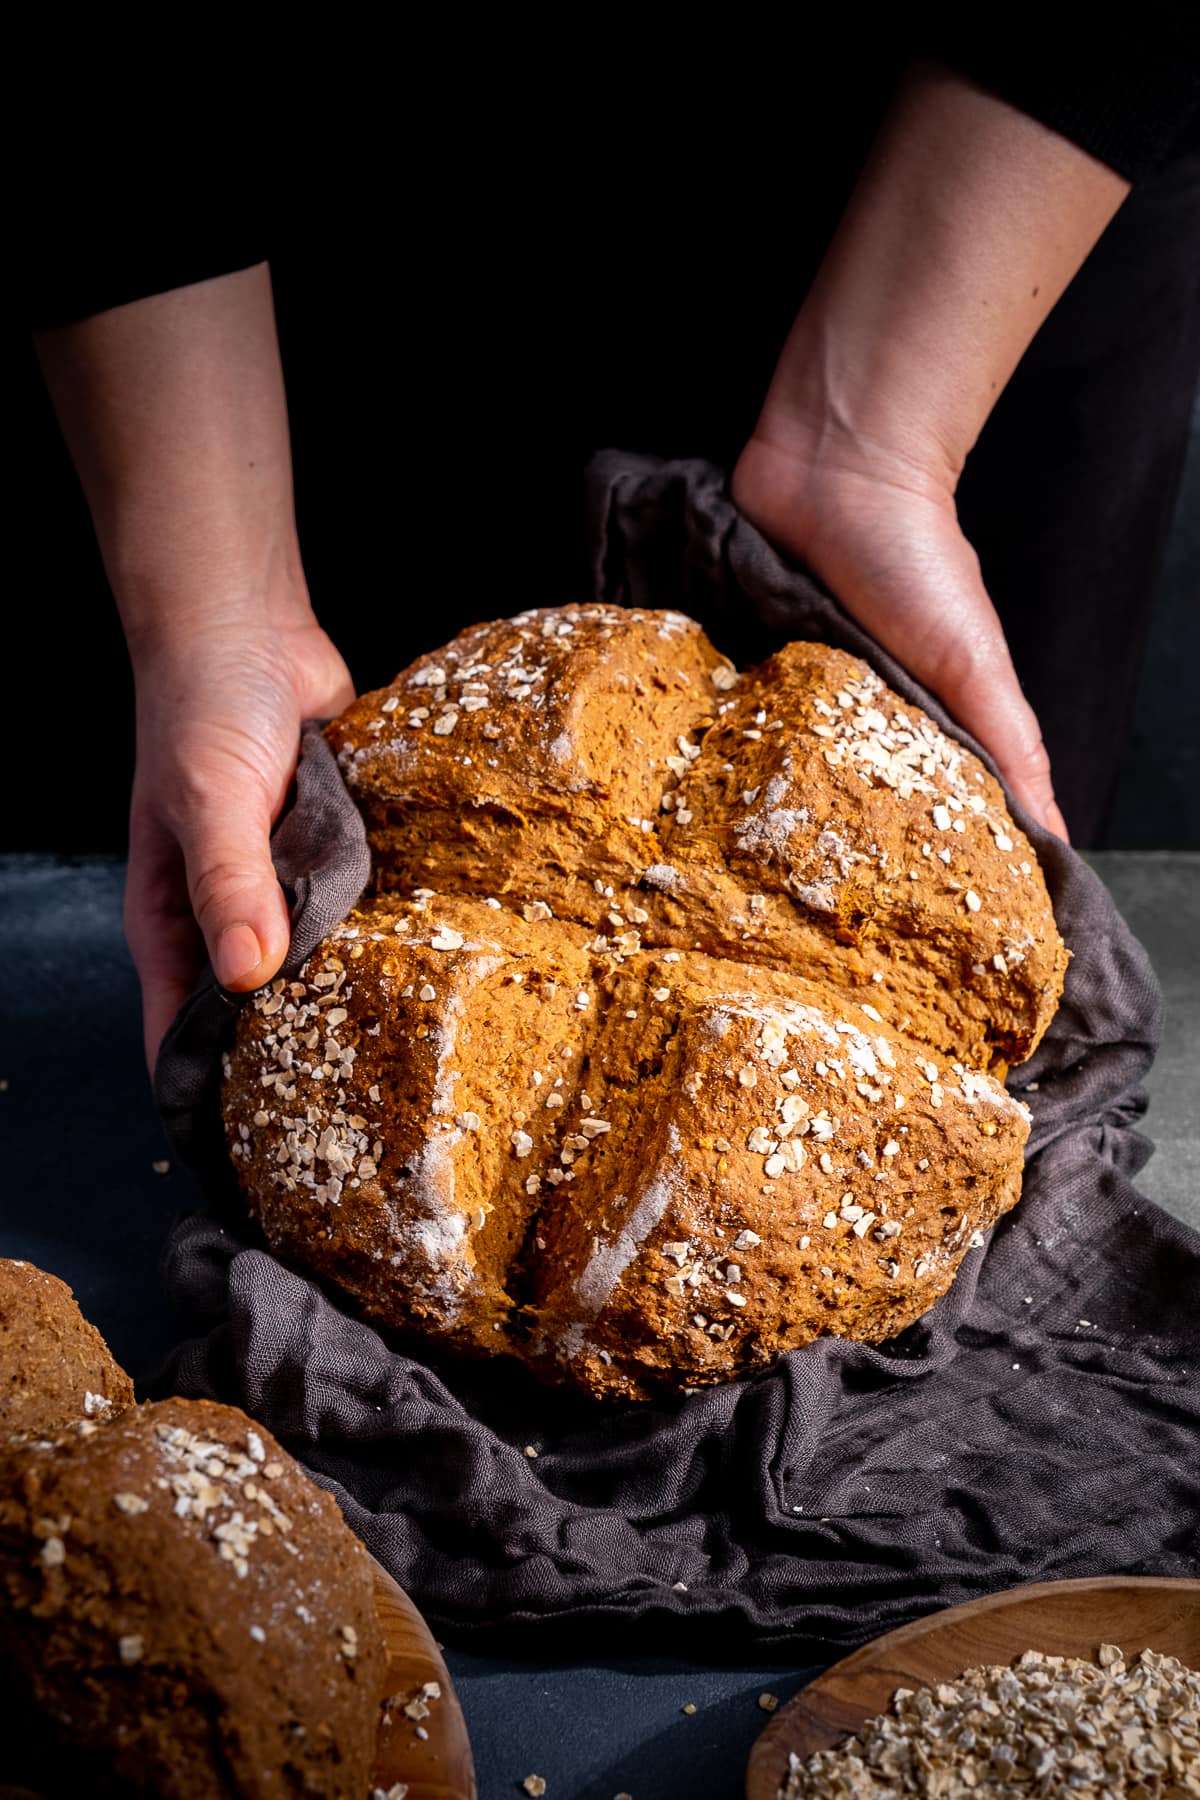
x=173 y=408
x=174 y=411
x=969 y=220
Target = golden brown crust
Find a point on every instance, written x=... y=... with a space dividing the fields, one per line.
x=363 y=1100
x=802 y=808
x=809 y=1171
x=545 y=735
x=502 y=1136
x=55 y=1368
x=184 y=1613
x=494 y=1113
x=840 y=808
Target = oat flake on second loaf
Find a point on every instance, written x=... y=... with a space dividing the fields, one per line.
x=668 y=1034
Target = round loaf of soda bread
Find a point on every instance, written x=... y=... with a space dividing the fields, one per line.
x=670 y=1034
x=183 y=1614
x=55 y=1368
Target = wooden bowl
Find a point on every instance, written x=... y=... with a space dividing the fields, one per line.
x=438 y=1766
x=1061 y=1618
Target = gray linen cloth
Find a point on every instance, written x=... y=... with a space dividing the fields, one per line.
x=1042 y=1421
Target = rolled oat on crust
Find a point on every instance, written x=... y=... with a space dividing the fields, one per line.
x=183 y=1613
x=667 y=1036
x=55 y=1368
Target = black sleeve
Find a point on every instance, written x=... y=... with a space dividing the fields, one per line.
x=168 y=200
x=63 y=290
x=1130 y=95
x=114 y=216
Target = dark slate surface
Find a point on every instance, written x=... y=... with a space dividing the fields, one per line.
x=1159 y=894
x=600 y=1727
x=80 y=1135
x=82 y=1199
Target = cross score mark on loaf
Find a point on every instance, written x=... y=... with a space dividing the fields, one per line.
x=578 y=1046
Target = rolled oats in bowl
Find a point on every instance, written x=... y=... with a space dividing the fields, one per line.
x=1046 y=1727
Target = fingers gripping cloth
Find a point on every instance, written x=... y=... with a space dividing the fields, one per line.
x=1041 y=1420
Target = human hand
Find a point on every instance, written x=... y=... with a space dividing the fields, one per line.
x=220 y=705
x=883 y=536
x=966 y=224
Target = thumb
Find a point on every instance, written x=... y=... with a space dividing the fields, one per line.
x=238 y=903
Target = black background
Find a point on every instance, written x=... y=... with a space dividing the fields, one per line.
x=459 y=333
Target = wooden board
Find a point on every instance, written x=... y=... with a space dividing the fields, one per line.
x=438 y=1767
x=1061 y=1618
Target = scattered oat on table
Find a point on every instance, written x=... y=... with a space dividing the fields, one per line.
x=768 y=1702
x=688 y=1707
x=534 y=1784
x=1049 y=1726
